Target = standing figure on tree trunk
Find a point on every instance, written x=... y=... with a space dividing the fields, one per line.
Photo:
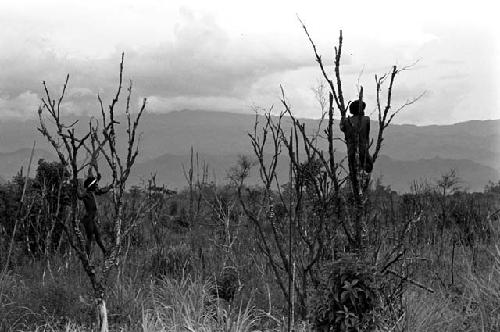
x=90 y=220
x=357 y=135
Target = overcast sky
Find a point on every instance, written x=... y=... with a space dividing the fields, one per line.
x=232 y=55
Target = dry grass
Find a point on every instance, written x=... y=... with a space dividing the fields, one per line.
x=484 y=290
x=187 y=305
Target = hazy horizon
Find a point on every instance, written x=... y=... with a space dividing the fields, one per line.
x=251 y=113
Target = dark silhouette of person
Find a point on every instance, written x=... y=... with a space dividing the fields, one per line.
x=89 y=221
x=357 y=136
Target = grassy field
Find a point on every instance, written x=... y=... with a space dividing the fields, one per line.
x=171 y=275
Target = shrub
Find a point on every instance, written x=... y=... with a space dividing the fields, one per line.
x=345 y=297
x=227 y=284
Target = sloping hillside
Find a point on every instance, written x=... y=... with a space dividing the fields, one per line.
x=410 y=152
x=398 y=174
x=219 y=133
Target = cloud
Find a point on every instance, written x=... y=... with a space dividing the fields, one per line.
x=23 y=104
x=201 y=62
x=207 y=60
x=229 y=104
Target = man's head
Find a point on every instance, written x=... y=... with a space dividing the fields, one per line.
x=354 y=108
x=90 y=183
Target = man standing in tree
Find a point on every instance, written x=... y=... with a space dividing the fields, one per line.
x=357 y=136
x=89 y=221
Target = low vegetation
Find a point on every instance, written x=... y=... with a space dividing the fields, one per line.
x=173 y=275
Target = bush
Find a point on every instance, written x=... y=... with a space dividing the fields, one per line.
x=227 y=284
x=345 y=297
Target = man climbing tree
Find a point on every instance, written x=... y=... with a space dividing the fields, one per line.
x=90 y=220
x=357 y=136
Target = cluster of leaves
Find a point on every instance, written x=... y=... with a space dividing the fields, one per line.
x=346 y=296
x=227 y=284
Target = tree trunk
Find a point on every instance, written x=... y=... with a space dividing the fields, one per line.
x=453 y=262
x=102 y=315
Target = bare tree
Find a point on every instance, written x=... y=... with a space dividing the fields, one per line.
x=306 y=222
x=385 y=117
x=101 y=139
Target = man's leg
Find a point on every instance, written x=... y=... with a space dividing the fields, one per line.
x=353 y=170
x=365 y=160
x=87 y=224
x=366 y=166
x=98 y=238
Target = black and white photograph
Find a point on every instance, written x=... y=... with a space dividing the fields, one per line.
x=239 y=166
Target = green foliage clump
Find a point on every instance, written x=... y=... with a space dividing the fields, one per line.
x=345 y=298
x=227 y=284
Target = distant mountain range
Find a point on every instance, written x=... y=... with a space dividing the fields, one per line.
x=409 y=152
x=398 y=174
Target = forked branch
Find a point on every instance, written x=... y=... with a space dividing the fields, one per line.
x=385 y=117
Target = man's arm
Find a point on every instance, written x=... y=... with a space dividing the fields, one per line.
x=102 y=191
x=367 y=130
x=344 y=123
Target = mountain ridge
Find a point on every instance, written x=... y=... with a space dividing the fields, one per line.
x=225 y=134
x=397 y=174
